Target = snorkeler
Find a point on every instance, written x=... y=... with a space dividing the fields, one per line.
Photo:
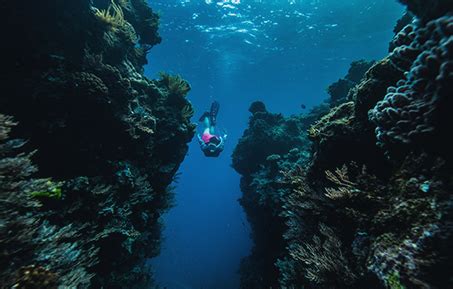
x=210 y=143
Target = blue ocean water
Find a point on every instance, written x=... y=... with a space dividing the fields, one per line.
x=283 y=52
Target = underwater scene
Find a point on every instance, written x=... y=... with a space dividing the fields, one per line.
x=226 y=144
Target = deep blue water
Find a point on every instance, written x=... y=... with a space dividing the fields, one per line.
x=282 y=52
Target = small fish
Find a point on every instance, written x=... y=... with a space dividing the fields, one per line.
x=303 y=106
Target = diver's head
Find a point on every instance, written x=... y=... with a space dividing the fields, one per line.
x=215 y=140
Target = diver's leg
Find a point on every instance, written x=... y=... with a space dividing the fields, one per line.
x=207 y=122
x=208 y=127
x=204 y=115
x=215 y=106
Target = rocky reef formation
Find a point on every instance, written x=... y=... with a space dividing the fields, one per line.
x=339 y=90
x=414 y=112
x=270 y=144
x=89 y=146
x=367 y=203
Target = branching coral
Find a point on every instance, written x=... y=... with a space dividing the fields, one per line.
x=341 y=179
x=368 y=199
x=301 y=193
x=140 y=119
x=323 y=257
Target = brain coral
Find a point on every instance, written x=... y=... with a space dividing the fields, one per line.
x=411 y=111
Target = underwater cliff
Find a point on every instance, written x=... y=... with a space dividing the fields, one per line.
x=357 y=193
x=88 y=145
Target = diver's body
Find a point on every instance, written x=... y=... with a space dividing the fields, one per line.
x=210 y=143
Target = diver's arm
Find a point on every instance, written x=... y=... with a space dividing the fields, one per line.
x=221 y=144
x=200 y=140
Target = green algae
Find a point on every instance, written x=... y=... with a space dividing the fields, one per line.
x=53 y=191
x=394 y=281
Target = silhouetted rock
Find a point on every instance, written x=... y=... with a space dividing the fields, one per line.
x=339 y=90
x=272 y=143
x=257 y=106
x=109 y=139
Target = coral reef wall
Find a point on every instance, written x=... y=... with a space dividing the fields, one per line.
x=269 y=144
x=366 y=203
x=339 y=90
x=89 y=146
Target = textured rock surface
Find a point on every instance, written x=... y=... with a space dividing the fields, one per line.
x=109 y=139
x=356 y=213
x=272 y=143
x=339 y=90
x=412 y=111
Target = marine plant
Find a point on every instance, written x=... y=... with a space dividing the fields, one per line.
x=394 y=282
x=52 y=191
x=187 y=112
x=113 y=16
x=175 y=84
